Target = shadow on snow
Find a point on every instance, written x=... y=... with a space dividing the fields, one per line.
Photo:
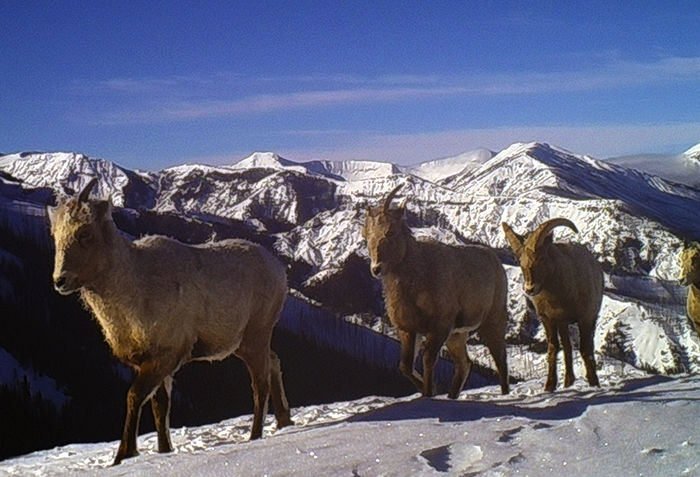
x=571 y=406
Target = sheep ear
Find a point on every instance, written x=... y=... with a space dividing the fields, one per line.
x=51 y=212
x=516 y=241
x=401 y=208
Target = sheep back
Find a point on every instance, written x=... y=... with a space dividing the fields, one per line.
x=574 y=287
x=465 y=283
x=202 y=299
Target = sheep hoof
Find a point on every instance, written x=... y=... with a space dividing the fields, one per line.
x=165 y=450
x=119 y=458
x=284 y=423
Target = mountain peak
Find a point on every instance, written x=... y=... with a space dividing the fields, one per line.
x=438 y=169
x=60 y=170
x=266 y=160
x=693 y=153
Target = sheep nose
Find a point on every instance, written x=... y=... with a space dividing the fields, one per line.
x=376 y=270
x=532 y=290
x=59 y=282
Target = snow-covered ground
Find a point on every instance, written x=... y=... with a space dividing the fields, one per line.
x=636 y=426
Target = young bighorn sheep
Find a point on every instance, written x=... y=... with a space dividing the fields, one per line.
x=440 y=291
x=690 y=277
x=161 y=303
x=565 y=284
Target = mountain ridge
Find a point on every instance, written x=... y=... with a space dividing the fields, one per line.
x=632 y=221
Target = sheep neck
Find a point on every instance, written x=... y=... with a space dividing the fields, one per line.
x=115 y=265
x=408 y=269
x=113 y=296
x=403 y=285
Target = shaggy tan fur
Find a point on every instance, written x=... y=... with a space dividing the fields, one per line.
x=565 y=284
x=161 y=303
x=690 y=277
x=439 y=291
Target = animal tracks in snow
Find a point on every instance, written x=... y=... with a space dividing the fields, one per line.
x=466 y=458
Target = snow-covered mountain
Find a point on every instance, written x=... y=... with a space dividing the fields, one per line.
x=633 y=221
x=440 y=169
x=354 y=170
x=311 y=214
x=682 y=168
x=73 y=171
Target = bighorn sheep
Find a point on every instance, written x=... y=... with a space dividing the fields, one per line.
x=161 y=304
x=440 y=291
x=690 y=277
x=565 y=284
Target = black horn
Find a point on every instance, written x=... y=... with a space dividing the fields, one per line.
x=85 y=193
x=390 y=197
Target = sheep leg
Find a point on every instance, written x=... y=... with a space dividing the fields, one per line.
x=588 y=353
x=552 y=351
x=500 y=357
x=279 y=399
x=408 y=343
x=258 y=364
x=150 y=376
x=569 y=377
x=495 y=338
x=457 y=347
x=160 y=403
x=433 y=342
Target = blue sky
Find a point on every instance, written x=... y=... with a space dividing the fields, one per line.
x=154 y=84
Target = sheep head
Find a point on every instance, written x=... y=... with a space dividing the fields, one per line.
x=533 y=251
x=690 y=264
x=77 y=227
x=387 y=235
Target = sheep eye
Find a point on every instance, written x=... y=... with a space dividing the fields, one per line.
x=84 y=235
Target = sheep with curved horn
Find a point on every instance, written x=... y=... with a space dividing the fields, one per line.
x=564 y=281
x=161 y=304
x=439 y=291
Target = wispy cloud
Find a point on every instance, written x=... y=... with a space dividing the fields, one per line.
x=153 y=100
x=187 y=110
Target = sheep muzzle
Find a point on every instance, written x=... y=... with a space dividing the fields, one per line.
x=65 y=284
x=376 y=270
x=533 y=290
